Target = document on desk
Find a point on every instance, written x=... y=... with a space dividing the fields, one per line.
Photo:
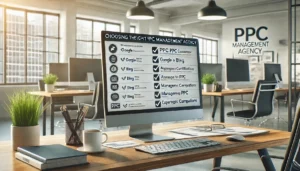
x=121 y=144
x=190 y=132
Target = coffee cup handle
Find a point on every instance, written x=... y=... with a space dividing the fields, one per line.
x=106 y=137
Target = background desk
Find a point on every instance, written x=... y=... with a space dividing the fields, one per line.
x=224 y=93
x=55 y=95
x=129 y=159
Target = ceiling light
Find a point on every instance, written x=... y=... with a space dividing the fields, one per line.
x=140 y=12
x=212 y=12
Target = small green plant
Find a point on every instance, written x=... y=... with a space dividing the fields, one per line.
x=25 y=109
x=208 y=79
x=50 y=79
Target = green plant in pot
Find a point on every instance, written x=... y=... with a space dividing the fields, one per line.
x=50 y=80
x=208 y=82
x=25 y=110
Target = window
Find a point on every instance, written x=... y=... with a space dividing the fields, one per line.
x=88 y=36
x=29 y=40
x=165 y=33
x=132 y=29
x=208 y=50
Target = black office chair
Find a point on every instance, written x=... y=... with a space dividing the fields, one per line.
x=96 y=111
x=291 y=161
x=261 y=104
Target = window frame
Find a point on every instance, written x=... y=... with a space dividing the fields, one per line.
x=26 y=35
x=165 y=31
x=211 y=55
x=132 y=27
x=92 y=40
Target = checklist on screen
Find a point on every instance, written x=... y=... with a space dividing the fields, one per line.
x=146 y=72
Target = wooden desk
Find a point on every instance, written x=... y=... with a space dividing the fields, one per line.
x=224 y=93
x=129 y=159
x=54 y=95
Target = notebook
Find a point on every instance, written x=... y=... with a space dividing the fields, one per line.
x=51 y=153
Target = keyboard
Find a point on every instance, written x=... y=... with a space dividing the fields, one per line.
x=178 y=145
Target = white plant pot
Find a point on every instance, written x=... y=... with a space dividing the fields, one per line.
x=25 y=136
x=49 y=87
x=208 y=87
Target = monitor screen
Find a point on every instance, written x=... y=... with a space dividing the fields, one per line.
x=148 y=73
x=215 y=69
x=237 y=70
x=61 y=70
x=271 y=70
x=79 y=67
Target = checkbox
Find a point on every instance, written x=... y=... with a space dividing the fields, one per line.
x=123 y=78
x=157 y=95
x=156 y=86
x=122 y=59
x=122 y=68
x=125 y=105
x=155 y=68
x=157 y=103
x=156 y=77
x=124 y=87
x=154 y=50
x=155 y=59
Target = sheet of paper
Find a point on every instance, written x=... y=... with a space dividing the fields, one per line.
x=194 y=132
x=121 y=144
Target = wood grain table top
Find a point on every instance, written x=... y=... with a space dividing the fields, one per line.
x=238 y=92
x=130 y=159
x=63 y=93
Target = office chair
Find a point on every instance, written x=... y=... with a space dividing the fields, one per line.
x=291 y=161
x=261 y=104
x=59 y=101
x=96 y=111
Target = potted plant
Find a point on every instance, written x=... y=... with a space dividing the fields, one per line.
x=208 y=82
x=50 y=80
x=25 y=110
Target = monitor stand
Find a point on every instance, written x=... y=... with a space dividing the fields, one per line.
x=278 y=81
x=144 y=133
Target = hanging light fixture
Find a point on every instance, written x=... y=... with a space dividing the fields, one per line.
x=212 y=12
x=140 y=12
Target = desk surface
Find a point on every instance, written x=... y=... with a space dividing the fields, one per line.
x=238 y=91
x=63 y=93
x=129 y=159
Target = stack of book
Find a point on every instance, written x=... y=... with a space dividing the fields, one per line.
x=50 y=156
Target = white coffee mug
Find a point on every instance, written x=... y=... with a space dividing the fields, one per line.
x=92 y=139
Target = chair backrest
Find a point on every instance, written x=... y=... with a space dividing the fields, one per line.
x=292 y=157
x=263 y=97
x=41 y=85
x=98 y=102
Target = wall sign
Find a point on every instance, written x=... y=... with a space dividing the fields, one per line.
x=250 y=41
x=149 y=73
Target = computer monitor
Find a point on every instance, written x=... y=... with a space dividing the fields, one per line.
x=237 y=73
x=150 y=79
x=272 y=72
x=80 y=67
x=61 y=70
x=215 y=69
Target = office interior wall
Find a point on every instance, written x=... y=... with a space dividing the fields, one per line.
x=70 y=9
x=277 y=30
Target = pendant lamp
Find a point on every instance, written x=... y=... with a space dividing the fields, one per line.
x=212 y=12
x=140 y=12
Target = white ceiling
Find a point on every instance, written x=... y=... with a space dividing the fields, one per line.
x=184 y=12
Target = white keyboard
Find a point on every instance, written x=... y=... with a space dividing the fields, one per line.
x=178 y=145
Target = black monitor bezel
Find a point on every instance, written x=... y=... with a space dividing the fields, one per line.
x=265 y=73
x=237 y=60
x=104 y=77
